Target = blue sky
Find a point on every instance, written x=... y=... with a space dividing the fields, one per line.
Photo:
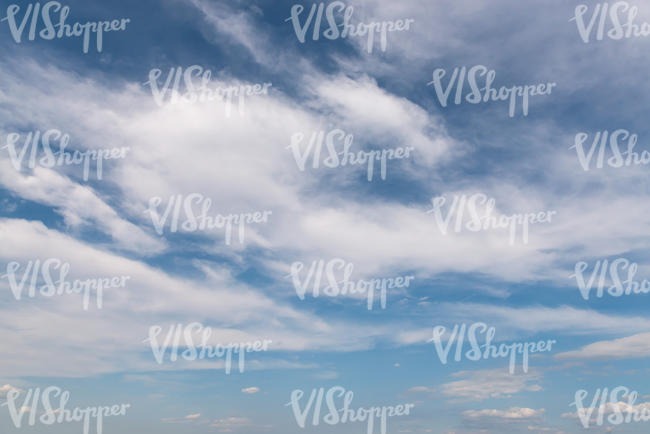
x=243 y=164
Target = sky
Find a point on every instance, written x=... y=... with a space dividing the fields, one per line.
x=256 y=156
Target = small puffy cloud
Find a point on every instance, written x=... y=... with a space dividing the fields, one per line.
x=6 y=389
x=250 y=390
x=189 y=419
x=494 y=383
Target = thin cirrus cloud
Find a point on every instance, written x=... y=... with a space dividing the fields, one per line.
x=514 y=413
x=630 y=347
x=113 y=337
x=241 y=162
x=480 y=385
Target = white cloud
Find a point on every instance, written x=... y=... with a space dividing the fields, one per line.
x=544 y=323
x=113 y=338
x=551 y=320
x=515 y=413
x=79 y=205
x=196 y=148
x=377 y=113
x=231 y=424
x=248 y=153
x=5 y=389
x=494 y=383
x=591 y=414
x=250 y=390
x=630 y=347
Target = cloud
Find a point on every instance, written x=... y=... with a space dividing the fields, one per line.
x=512 y=322
x=495 y=383
x=5 y=389
x=591 y=414
x=327 y=375
x=513 y=413
x=250 y=390
x=113 y=340
x=228 y=424
x=241 y=163
x=235 y=424
x=514 y=419
x=630 y=347
x=376 y=234
x=375 y=112
x=79 y=205
x=190 y=418
x=196 y=148
x=223 y=22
